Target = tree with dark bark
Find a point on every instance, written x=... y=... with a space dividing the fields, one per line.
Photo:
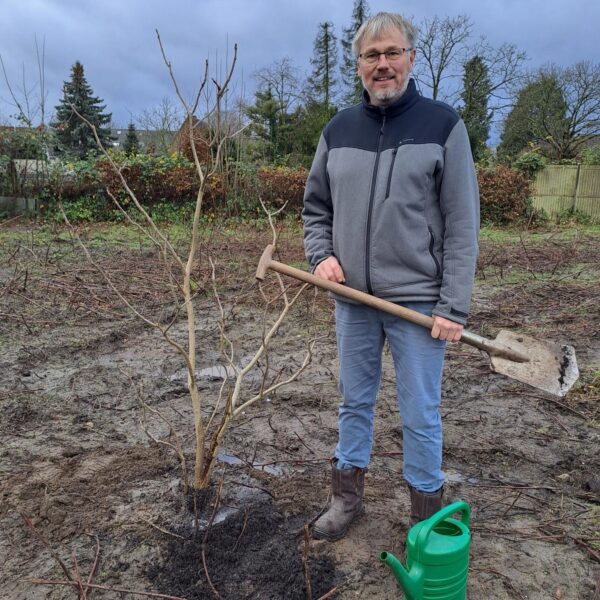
x=580 y=87
x=351 y=80
x=442 y=47
x=74 y=135
x=540 y=108
x=283 y=80
x=474 y=111
x=558 y=110
x=322 y=82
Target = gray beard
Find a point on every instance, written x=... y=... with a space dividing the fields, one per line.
x=388 y=96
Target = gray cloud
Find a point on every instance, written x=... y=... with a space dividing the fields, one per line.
x=116 y=42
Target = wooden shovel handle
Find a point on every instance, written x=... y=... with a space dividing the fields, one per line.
x=489 y=346
x=413 y=316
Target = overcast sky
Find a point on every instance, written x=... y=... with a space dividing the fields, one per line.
x=115 y=40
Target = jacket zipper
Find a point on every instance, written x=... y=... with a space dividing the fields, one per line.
x=435 y=260
x=394 y=152
x=370 y=213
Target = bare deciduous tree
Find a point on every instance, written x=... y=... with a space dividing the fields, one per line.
x=232 y=400
x=161 y=123
x=284 y=81
x=558 y=109
x=505 y=68
x=27 y=169
x=29 y=99
x=580 y=85
x=445 y=45
x=442 y=49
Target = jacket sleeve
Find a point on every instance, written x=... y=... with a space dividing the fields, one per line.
x=459 y=204
x=317 y=213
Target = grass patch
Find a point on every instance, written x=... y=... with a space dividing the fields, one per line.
x=580 y=273
x=556 y=232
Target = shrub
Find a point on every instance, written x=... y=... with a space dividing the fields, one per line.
x=167 y=212
x=530 y=163
x=487 y=160
x=4 y=176
x=85 y=209
x=72 y=182
x=152 y=179
x=278 y=185
x=505 y=195
x=22 y=142
x=570 y=217
x=164 y=184
x=591 y=156
x=76 y=179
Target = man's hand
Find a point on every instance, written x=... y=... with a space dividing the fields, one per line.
x=444 y=329
x=330 y=269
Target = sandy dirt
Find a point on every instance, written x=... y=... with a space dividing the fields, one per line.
x=83 y=483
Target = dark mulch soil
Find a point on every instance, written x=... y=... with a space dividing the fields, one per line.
x=254 y=553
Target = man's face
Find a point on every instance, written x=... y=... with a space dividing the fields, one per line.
x=385 y=81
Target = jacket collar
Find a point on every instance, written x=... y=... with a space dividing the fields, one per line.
x=410 y=96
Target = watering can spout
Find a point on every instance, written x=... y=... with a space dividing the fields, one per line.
x=411 y=582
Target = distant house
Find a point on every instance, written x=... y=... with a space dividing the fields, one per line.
x=150 y=141
x=181 y=142
x=24 y=160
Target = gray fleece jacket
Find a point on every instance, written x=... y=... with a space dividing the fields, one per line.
x=392 y=194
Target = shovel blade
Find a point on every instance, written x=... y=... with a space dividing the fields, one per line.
x=551 y=367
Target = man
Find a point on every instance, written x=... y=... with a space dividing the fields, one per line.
x=391 y=207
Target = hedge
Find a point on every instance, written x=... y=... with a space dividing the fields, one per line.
x=172 y=180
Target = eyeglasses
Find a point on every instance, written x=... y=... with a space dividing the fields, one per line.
x=390 y=55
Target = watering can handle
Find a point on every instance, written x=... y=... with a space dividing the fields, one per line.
x=439 y=516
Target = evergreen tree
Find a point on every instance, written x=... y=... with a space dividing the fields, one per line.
x=474 y=112
x=351 y=81
x=132 y=143
x=539 y=109
x=73 y=134
x=309 y=120
x=275 y=109
x=267 y=122
x=322 y=81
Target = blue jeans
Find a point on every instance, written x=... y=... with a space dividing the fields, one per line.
x=418 y=362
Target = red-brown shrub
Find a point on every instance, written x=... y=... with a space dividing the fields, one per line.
x=505 y=195
x=277 y=185
x=152 y=179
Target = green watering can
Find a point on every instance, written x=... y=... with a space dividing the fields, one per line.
x=437 y=557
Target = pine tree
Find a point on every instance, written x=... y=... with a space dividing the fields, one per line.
x=132 y=143
x=73 y=134
x=474 y=112
x=266 y=121
x=322 y=82
x=350 y=78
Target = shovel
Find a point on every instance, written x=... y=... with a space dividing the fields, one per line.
x=544 y=365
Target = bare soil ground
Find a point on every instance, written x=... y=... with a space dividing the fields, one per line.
x=83 y=484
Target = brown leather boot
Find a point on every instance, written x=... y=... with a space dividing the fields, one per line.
x=347 y=491
x=423 y=505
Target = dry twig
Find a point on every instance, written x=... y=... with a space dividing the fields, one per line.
x=106 y=588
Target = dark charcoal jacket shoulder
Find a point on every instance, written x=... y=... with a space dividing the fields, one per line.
x=392 y=193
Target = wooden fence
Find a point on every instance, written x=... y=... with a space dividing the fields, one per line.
x=559 y=188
